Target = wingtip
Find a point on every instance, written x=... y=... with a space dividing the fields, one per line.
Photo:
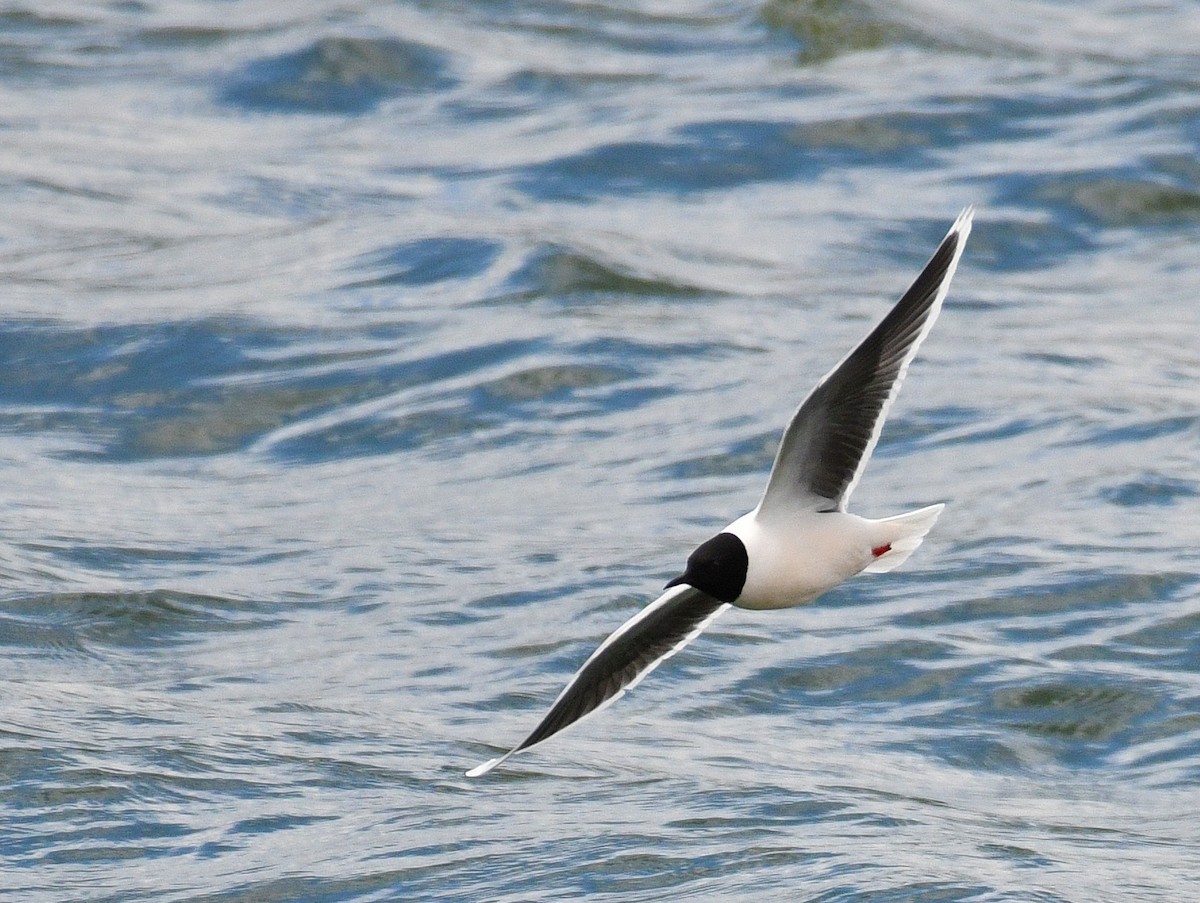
x=480 y=770
x=962 y=225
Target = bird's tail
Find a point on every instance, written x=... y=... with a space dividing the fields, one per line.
x=899 y=536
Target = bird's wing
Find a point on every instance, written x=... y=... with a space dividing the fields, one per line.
x=831 y=436
x=635 y=649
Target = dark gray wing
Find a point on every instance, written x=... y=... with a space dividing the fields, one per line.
x=651 y=636
x=831 y=436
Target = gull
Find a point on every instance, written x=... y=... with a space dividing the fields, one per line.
x=800 y=541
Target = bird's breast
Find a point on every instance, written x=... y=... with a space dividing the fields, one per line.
x=792 y=562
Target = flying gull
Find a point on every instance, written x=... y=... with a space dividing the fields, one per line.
x=800 y=541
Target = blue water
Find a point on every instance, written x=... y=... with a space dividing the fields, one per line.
x=365 y=364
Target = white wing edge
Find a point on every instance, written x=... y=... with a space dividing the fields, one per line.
x=962 y=226
x=625 y=628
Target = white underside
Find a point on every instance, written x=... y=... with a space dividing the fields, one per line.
x=794 y=560
x=907 y=530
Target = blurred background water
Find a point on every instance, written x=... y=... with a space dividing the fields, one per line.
x=364 y=364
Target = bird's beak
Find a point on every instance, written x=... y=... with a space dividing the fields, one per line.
x=681 y=579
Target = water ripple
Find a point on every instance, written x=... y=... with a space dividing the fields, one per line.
x=364 y=367
x=338 y=75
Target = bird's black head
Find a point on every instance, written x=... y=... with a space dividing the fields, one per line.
x=717 y=567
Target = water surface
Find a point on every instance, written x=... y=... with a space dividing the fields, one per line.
x=365 y=365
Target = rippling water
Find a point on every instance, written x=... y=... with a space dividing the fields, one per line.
x=365 y=364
